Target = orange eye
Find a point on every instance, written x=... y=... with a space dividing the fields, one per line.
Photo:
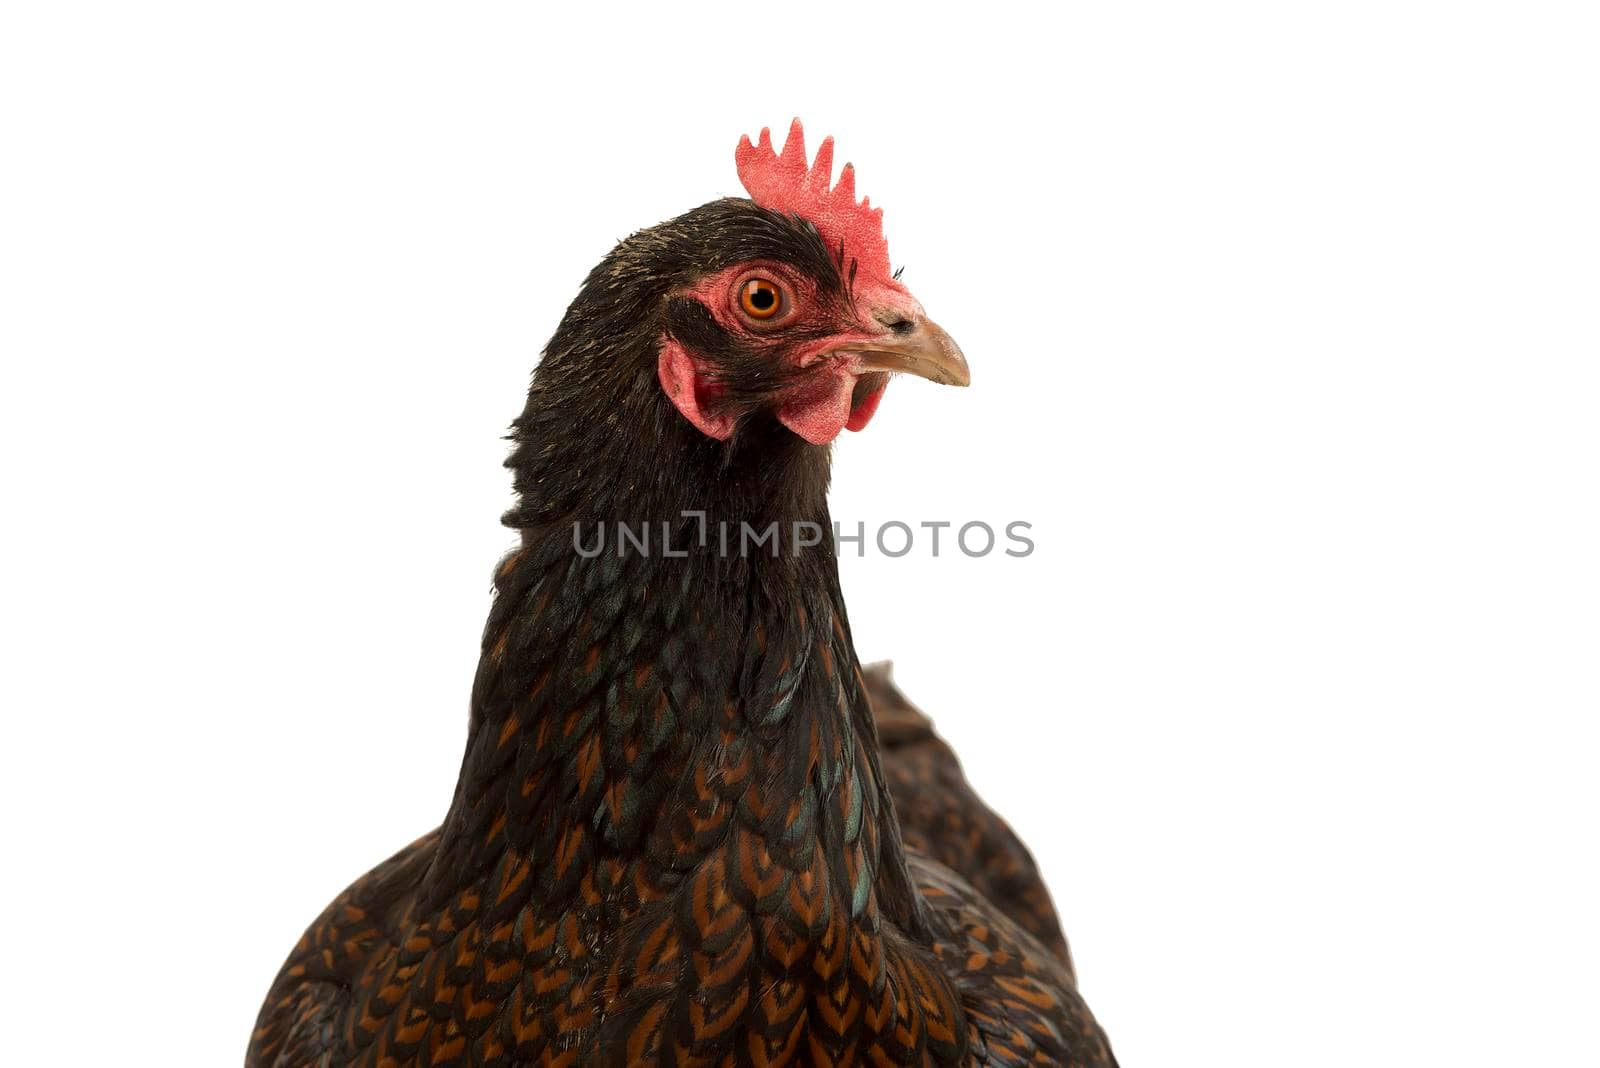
x=760 y=298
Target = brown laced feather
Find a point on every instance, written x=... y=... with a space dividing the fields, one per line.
x=674 y=837
x=944 y=820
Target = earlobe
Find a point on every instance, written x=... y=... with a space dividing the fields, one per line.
x=681 y=382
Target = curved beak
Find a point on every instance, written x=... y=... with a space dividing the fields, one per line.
x=923 y=349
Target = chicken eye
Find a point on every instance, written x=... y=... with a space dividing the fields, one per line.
x=760 y=298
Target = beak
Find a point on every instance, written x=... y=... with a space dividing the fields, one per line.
x=924 y=350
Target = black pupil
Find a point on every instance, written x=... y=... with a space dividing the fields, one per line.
x=762 y=297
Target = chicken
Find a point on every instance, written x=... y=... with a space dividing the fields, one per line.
x=674 y=839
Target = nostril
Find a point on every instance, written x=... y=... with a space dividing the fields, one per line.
x=902 y=326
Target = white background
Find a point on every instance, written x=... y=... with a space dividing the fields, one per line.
x=1283 y=329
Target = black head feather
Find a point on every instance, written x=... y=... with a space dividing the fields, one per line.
x=598 y=438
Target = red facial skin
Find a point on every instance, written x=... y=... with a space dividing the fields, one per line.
x=825 y=404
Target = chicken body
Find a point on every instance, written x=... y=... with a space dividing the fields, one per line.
x=998 y=941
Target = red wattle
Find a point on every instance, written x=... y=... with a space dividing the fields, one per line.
x=823 y=411
x=862 y=414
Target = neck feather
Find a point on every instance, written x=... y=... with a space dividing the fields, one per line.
x=641 y=716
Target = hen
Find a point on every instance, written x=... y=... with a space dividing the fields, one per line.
x=674 y=839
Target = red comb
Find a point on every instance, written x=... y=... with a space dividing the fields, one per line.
x=784 y=183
